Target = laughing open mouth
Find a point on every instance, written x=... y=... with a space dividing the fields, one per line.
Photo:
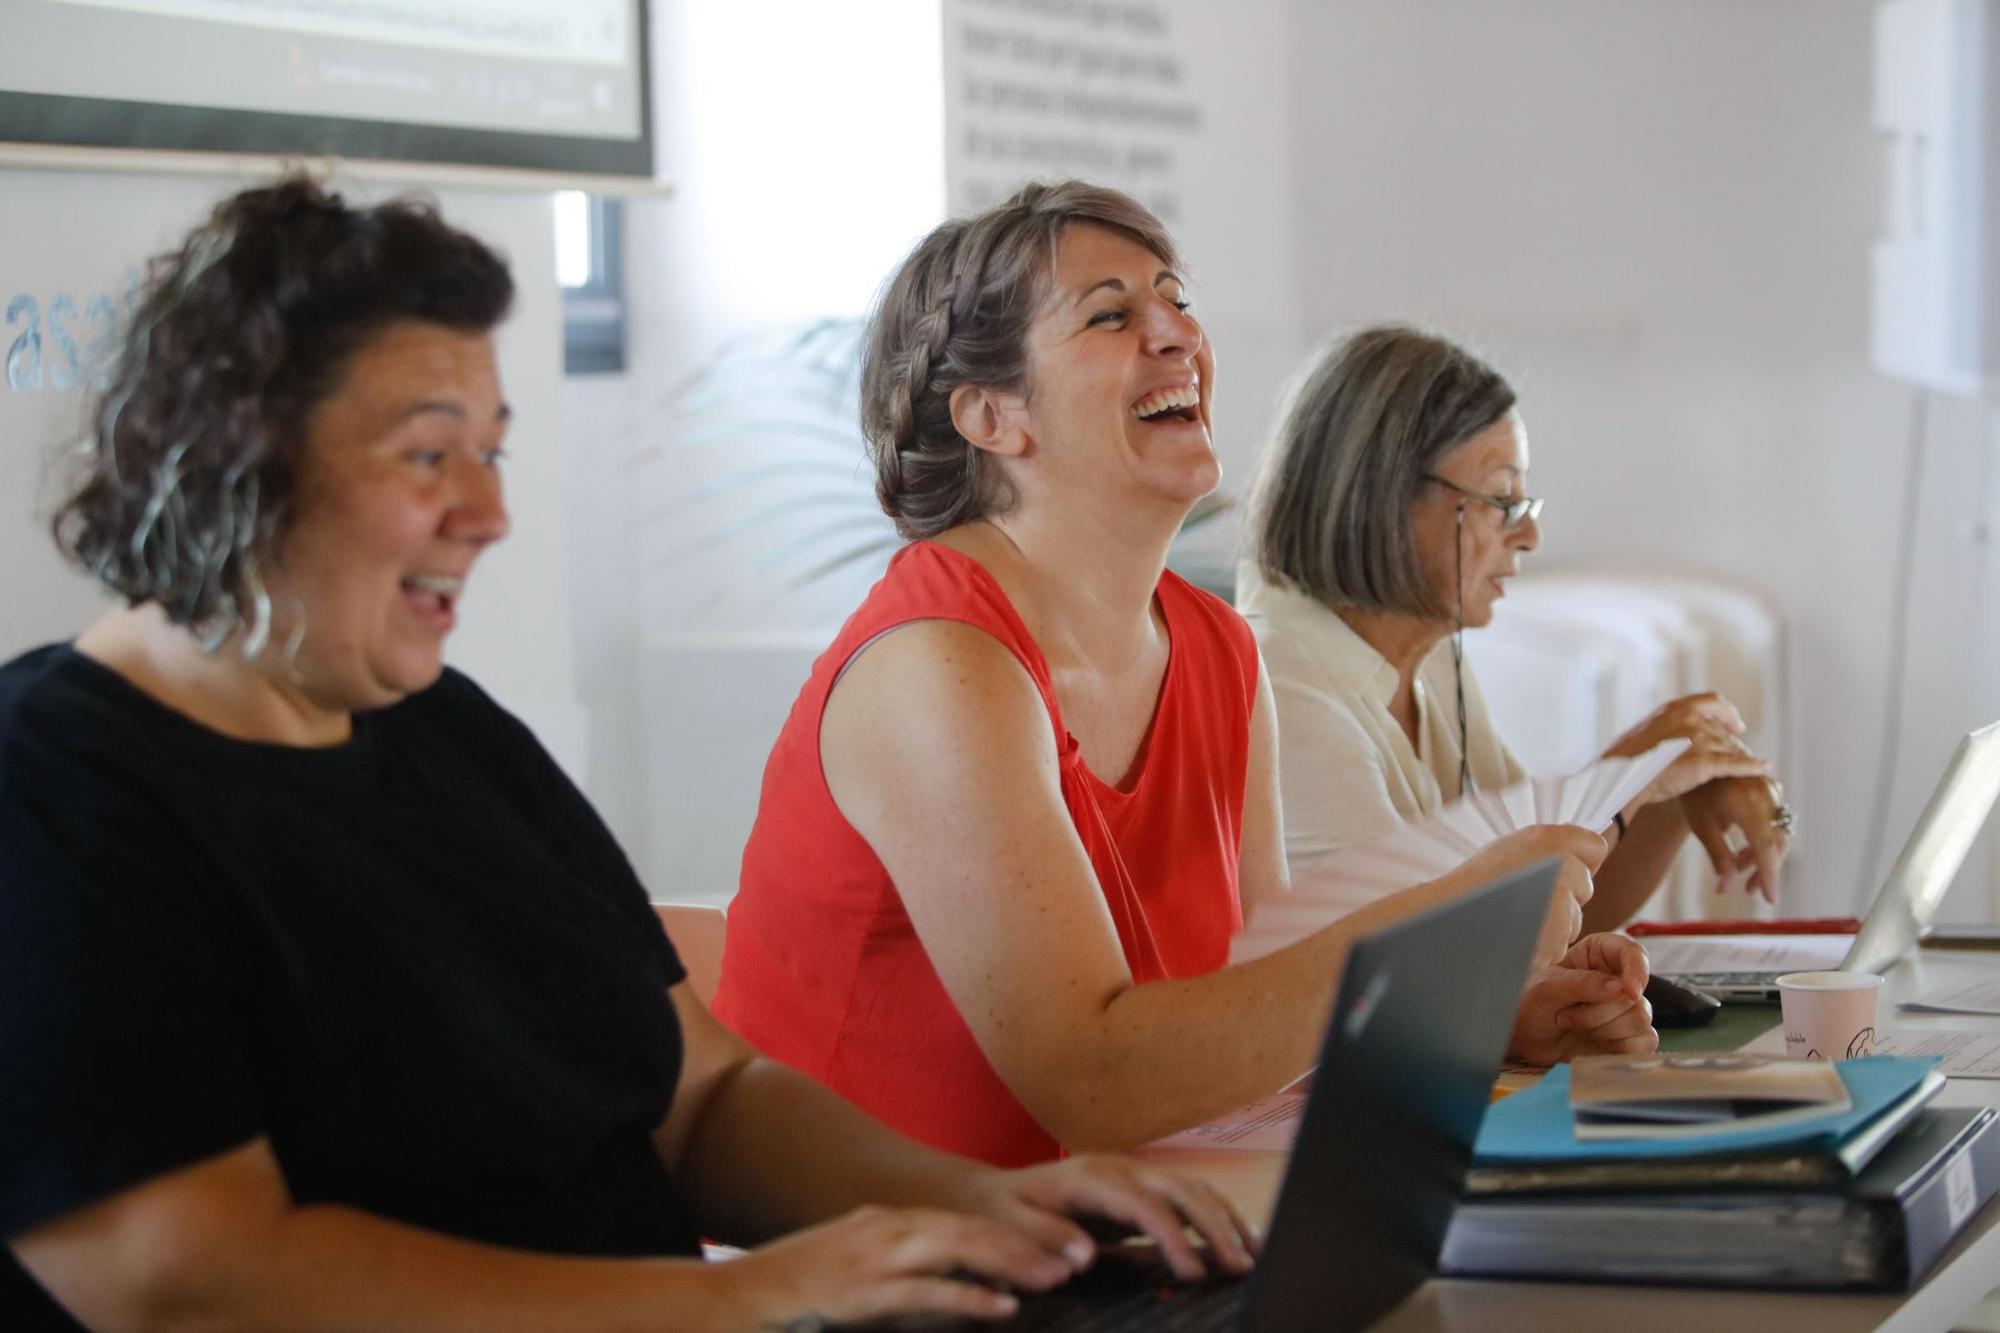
x=1181 y=403
x=438 y=591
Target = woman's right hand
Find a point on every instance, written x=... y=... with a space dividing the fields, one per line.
x=1581 y=851
x=878 y=1263
x=1714 y=732
x=1751 y=807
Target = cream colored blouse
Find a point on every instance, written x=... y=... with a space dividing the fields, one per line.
x=1346 y=771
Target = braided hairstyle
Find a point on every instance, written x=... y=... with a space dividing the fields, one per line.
x=957 y=312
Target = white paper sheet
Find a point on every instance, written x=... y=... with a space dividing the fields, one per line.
x=1415 y=853
x=1269 y=1123
x=1674 y=955
x=1980 y=996
x=1965 y=1054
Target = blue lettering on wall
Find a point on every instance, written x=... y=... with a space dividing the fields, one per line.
x=24 y=358
x=63 y=367
x=44 y=351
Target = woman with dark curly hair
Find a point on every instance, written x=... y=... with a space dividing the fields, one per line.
x=326 y=1002
x=1008 y=829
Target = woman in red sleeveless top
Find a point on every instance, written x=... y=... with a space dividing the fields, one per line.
x=1005 y=833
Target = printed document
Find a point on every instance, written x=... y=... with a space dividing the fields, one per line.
x=1269 y=1123
x=1965 y=1054
x=1978 y=996
x=1675 y=955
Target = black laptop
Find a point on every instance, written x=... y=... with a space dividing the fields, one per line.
x=1405 y=1073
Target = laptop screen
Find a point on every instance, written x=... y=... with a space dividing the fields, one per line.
x=1932 y=856
x=1405 y=1075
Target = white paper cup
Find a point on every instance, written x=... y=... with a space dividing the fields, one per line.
x=1829 y=1015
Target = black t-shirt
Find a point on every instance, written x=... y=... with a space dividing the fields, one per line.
x=417 y=963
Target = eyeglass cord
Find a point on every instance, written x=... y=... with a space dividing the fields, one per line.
x=1458 y=656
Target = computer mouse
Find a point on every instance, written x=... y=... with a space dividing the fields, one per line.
x=1678 y=1006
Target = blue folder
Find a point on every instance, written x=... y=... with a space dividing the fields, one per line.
x=1536 y=1125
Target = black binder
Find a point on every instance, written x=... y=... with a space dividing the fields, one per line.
x=1880 y=1231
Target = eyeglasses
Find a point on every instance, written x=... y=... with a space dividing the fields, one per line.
x=1513 y=513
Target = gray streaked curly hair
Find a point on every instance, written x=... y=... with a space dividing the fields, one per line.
x=957 y=312
x=184 y=488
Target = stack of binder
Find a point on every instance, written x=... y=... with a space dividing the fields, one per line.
x=1863 y=1198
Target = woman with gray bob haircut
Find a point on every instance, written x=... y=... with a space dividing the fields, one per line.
x=1335 y=519
x=1007 y=829
x=326 y=1000
x=1389 y=515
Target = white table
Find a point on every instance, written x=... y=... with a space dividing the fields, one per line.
x=1968 y=1271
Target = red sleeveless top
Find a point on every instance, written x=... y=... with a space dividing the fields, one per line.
x=822 y=969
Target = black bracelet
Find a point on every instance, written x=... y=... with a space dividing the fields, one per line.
x=1618 y=818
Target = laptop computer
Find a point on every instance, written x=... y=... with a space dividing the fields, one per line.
x=1405 y=1074
x=1904 y=906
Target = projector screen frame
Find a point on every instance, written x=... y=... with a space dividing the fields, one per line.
x=94 y=125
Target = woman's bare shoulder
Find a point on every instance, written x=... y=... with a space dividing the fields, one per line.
x=944 y=680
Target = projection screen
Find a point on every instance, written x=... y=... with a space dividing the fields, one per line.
x=552 y=85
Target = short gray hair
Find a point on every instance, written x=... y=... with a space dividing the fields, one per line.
x=957 y=312
x=1369 y=419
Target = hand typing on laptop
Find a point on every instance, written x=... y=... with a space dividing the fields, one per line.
x=1011 y=1231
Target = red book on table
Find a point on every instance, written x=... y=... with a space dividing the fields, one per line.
x=1792 y=925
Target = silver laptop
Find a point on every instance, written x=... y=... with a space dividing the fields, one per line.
x=1909 y=897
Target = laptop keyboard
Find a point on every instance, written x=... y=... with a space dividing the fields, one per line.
x=1171 y=1308
x=1118 y=1296
x=1739 y=980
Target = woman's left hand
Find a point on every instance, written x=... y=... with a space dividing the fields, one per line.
x=1041 y=1200
x=1756 y=806
x=1592 y=1001
x=1713 y=729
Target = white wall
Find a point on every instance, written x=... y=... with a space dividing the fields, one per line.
x=1219 y=173
x=803 y=142
x=1655 y=218
x=82 y=234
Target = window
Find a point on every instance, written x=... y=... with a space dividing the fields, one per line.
x=590 y=268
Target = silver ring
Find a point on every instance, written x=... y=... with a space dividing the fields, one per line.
x=1783 y=818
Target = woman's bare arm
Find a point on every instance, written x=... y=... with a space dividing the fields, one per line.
x=1261 y=873
x=1635 y=866
x=764 y=1150
x=220 y=1245
x=938 y=749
